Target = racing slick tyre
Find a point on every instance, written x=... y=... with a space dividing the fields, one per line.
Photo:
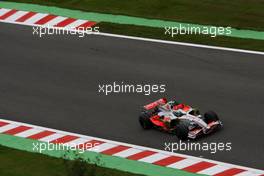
x=144 y=120
x=210 y=116
x=182 y=129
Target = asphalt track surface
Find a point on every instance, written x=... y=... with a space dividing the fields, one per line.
x=53 y=82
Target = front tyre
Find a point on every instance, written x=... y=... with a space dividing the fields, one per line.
x=210 y=116
x=144 y=120
x=182 y=129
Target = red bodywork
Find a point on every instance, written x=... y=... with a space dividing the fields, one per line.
x=161 y=101
x=156 y=119
x=182 y=106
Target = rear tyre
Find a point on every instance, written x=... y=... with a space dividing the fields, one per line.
x=144 y=120
x=182 y=129
x=210 y=116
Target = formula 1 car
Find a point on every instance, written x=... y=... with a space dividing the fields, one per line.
x=179 y=119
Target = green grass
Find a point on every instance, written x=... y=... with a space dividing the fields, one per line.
x=158 y=33
x=246 y=14
x=21 y=163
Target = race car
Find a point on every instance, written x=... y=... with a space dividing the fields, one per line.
x=178 y=118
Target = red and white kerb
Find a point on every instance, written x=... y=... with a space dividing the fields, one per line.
x=43 y=19
x=127 y=151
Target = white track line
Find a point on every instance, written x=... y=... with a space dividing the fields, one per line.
x=181 y=43
x=30 y=22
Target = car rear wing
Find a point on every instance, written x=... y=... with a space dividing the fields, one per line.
x=154 y=104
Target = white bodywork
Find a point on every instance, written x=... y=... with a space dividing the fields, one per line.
x=166 y=111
